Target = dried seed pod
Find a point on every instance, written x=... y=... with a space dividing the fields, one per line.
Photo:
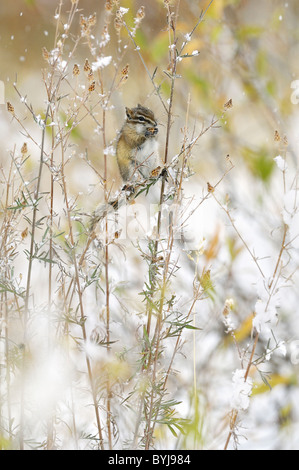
x=83 y=22
x=277 y=136
x=24 y=233
x=228 y=307
x=228 y=104
x=92 y=86
x=76 y=69
x=24 y=149
x=125 y=71
x=105 y=37
x=92 y=19
x=46 y=54
x=117 y=24
x=10 y=108
x=155 y=172
x=90 y=76
x=108 y=5
x=123 y=80
x=87 y=67
x=211 y=188
x=140 y=13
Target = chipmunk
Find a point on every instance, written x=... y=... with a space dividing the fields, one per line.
x=137 y=144
x=136 y=152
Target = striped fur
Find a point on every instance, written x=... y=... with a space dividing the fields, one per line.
x=137 y=146
x=140 y=114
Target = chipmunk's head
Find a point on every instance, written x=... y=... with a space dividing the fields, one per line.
x=143 y=120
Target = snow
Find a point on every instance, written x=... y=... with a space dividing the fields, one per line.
x=101 y=62
x=123 y=10
x=241 y=390
x=281 y=163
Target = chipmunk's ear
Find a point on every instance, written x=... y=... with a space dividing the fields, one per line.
x=129 y=113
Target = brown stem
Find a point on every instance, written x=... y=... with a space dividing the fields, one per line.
x=77 y=282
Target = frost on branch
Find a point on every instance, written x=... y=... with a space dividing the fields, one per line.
x=101 y=62
x=281 y=163
x=241 y=390
x=227 y=320
x=265 y=317
x=266 y=310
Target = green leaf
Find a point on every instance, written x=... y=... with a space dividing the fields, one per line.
x=271 y=88
x=249 y=31
x=159 y=48
x=172 y=430
x=261 y=62
x=259 y=162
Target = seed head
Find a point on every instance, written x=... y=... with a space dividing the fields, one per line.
x=83 y=22
x=92 y=19
x=76 y=69
x=87 y=67
x=125 y=71
x=87 y=23
x=90 y=76
x=109 y=5
x=228 y=104
x=140 y=13
x=92 y=86
x=105 y=36
x=46 y=54
x=124 y=75
x=10 y=108
x=24 y=233
x=156 y=172
x=117 y=24
x=211 y=188
x=24 y=149
x=228 y=307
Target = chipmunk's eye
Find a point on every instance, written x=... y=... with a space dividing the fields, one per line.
x=141 y=118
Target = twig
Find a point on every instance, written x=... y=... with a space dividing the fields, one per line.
x=77 y=281
x=146 y=68
x=239 y=234
x=275 y=276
